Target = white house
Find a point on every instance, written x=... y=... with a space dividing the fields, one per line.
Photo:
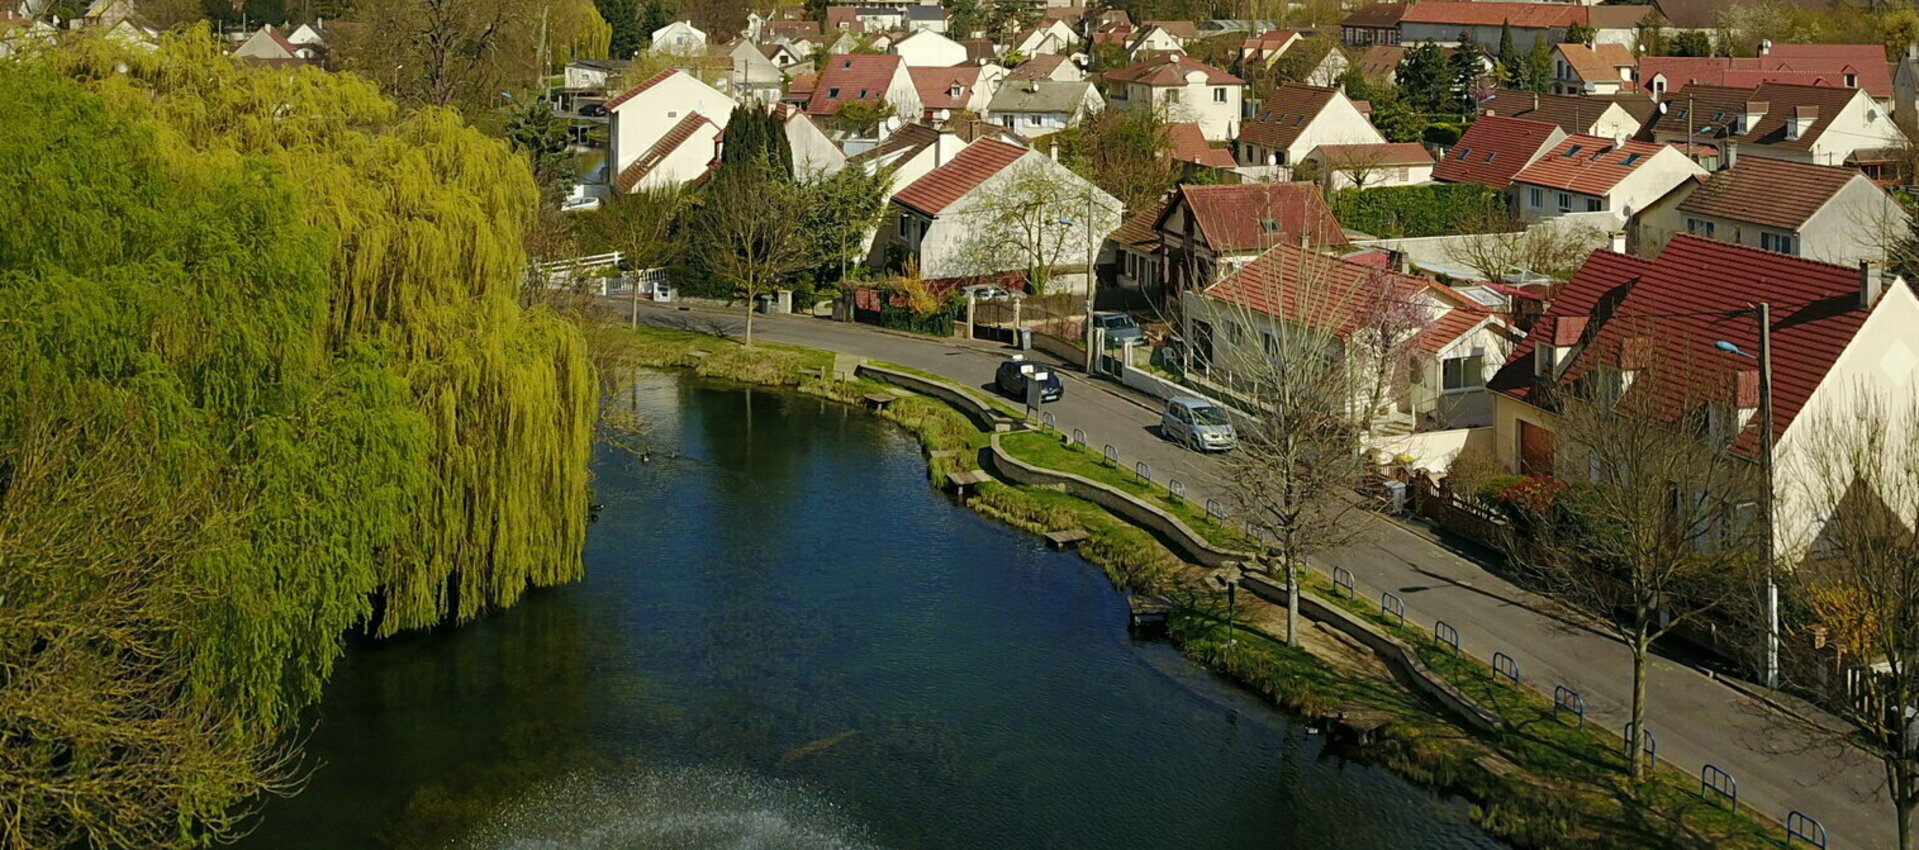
x=814 y=153
x=1295 y=120
x=1370 y=165
x=1442 y=21
x=872 y=79
x=1154 y=39
x=679 y=38
x=1594 y=174
x=1047 y=66
x=942 y=219
x=312 y=33
x=1832 y=214
x=592 y=74
x=926 y=18
x=1036 y=108
x=945 y=92
x=1183 y=89
x=652 y=121
x=268 y=45
x=752 y=74
x=1601 y=69
x=1593 y=116
x=1822 y=125
x=909 y=153
x=928 y=49
x=1050 y=37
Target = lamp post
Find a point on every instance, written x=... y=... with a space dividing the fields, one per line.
x=1228 y=580
x=1092 y=256
x=1763 y=314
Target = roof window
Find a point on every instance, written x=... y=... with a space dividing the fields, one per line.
x=1269 y=225
x=1630 y=159
x=1572 y=151
x=833 y=93
x=1464 y=152
x=1489 y=157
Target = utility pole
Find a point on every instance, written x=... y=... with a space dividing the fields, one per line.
x=1092 y=255
x=1763 y=312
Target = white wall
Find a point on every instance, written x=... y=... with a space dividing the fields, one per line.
x=636 y=124
x=929 y=50
x=943 y=249
x=686 y=162
x=1196 y=101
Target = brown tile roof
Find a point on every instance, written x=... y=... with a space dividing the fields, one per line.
x=852 y=77
x=1573 y=113
x=939 y=188
x=935 y=85
x=978 y=49
x=633 y=92
x=1040 y=67
x=1672 y=309
x=1520 y=15
x=1600 y=62
x=912 y=137
x=1304 y=286
x=1718 y=107
x=1390 y=153
x=1189 y=145
x=1285 y=114
x=1590 y=165
x=631 y=175
x=1771 y=192
x=1617 y=17
x=846 y=18
x=1376 y=16
x=1450 y=325
x=1381 y=60
x=1177 y=29
x=1141 y=229
x=1234 y=218
x=1171 y=70
x=1494 y=149
x=1269 y=40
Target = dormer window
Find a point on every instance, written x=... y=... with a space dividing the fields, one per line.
x=954 y=91
x=1545 y=360
x=1852 y=81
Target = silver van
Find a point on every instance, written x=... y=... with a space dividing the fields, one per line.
x=1197 y=424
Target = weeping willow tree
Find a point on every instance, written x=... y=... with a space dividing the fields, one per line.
x=266 y=382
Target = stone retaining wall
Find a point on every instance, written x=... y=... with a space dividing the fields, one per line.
x=982 y=414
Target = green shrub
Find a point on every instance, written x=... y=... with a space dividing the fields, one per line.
x=1436 y=209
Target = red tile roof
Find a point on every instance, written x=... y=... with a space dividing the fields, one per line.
x=1590 y=165
x=1388 y=154
x=1285 y=114
x=1520 y=15
x=1381 y=60
x=1802 y=64
x=1319 y=291
x=1171 y=70
x=1494 y=149
x=1269 y=40
x=1178 y=29
x=939 y=188
x=1669 y=311
x=852 y=77
x=935 y=85
x=1141 y=229
x=1600 y=63
x=633 y=92
x=1573 y=113
x=1771 y=192
x=631 y=175
x=1189 y=145
x=1040 y=67
x=1718 y=107
x=1254 y=216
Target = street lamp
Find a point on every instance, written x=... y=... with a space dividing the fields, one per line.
x=1763 y=314
x=1228 y=580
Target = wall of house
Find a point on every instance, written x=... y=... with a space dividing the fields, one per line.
x=930 y=51
x=1859 y=223
x=1487 y=37
x=1215 y=108
x=1385 y=175
x=1863 y=123
x=1881 y=362
x=1033 y=125
x=1508 y=413
x=686 y=162
x=814 y=155
x=945 y=249
x=636 y=124
x=1435 y=407
x=585 y=78
x=1340 y=123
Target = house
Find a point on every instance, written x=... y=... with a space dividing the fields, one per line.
x=1183 y=89
x=1442 y=21
x=1414 y=350
x=1036 y=108
x=1377 y=23
x=791 y=61
x=1584 y=174
x=1367 y=165
x=1618 y=24
x=941 y=219
x=789 y=32
x=313 y=33
x=1154 y=39
x=1651 y=326
x=1594 y=69
x=874 y=79
x=1187 y=144
x=910 y=153
x=925 y=18
x=1049 y=37
x=1138 y=261
x=267 y=45
x=928 y=49
x=1822 y=125
x=679 y=38
x=1495 y=149
x=1851 y=66
x=1295 y=120
x=18 y=34
x=664 y=130
x=753 y=75
x=815 y=154
x=1381 y=62
x=1329 y=70
x=1590 y=115
x=591 y=75
x=945 y=92
x=1047 y=66
x=1832 y=214
x=108 y=14
x=1208 y=231
x=1266 y=48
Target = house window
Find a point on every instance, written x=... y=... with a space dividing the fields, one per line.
x=1535 y=197
x=1268 y=344
x=1172 y=95
x=1219 y=95
x=1033 y=120
x=1489 y=157
x=1852 y=81
x=1697 y=227
x=1463 y=373
x=1269 y=225
x=1630 y=159
x=906 y=227
x=1232 y=332
x=1771 y=242
x=833 y=93
x=1565 y=202
x=1464 y=152
x=1572 y=151
x=1593 y=205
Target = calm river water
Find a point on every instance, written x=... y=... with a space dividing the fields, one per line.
x=785 y=639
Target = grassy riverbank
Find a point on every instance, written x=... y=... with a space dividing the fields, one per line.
x=1538 y=781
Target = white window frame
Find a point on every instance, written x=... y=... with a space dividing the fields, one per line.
x=1461 y=375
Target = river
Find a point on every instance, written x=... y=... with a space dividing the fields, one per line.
x=786 y=639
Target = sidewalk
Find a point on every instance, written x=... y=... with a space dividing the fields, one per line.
x=1696 y=719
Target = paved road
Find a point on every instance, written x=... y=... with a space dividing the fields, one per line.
x=1696 y=719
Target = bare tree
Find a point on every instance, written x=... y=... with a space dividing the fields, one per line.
x=1654 y=520
x=1035 y=218
x=1380 y=348
x=1861 y=474
x=446 y=52
x=749 y=230
x=1495 y=246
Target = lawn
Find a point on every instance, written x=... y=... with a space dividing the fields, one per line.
x=1049 y=449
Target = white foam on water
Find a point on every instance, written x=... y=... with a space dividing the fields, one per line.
x=693 y=808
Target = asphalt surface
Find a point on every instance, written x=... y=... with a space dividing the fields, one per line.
x=1695 y=718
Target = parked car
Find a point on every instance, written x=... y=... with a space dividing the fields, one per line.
x=594 y=109
x=1119 y=327
x=1013 y=375
x=985 y=292
x=1197 y=424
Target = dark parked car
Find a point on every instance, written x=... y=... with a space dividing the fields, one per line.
x=1015 y=373
x=595 y=109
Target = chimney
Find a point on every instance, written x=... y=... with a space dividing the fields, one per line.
x=1396 y=260
x=1618 y=140
x=1617 y=241
x=1732 y=153
x=1765 y=47
x=1912 y=51
x=1535 y=101
x=1872 y=284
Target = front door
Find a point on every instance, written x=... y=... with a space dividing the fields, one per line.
x=1535 y=450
